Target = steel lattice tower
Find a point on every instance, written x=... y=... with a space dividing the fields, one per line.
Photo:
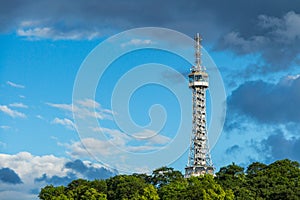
x=199 y=161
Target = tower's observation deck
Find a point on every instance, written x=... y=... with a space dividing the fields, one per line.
x=199 y=161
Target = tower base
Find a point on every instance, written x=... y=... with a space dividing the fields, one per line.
x=198 y=171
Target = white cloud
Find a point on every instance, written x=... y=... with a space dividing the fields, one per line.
x=109 y=145
x=288 y=80
x=39 y=117
x=98 y=147
x=159 y=139
x=28 y=23
x=116 y=144
x=29 y=167
x=136 y=42
x=14 y=85
x=293 y=77
x=146 y=134
x=65 y=122
x=5 y=127
x=117 y=152
x=152 y=137
x=2 y=144
x=85 y=109
x=145 y=140
x=144 y=148
x=114 y=136
x=110 y=152
x=10 y=112
x=90 y=103
x=18 y=105
x=67 y=107
x=38 y=32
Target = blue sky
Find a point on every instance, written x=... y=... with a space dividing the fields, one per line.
x=255 y=46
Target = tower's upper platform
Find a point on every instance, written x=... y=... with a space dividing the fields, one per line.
x=198 y=79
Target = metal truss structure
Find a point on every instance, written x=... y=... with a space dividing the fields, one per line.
x=199 y=161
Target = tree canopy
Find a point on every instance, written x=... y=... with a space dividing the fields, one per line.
x=279 y=180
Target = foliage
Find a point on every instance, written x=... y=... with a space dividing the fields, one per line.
x=128 y=187
x=194 y=188
x=279 y=180
x=232 y=177
x=165 y=175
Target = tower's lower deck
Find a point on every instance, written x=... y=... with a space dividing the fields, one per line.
x=198 y=171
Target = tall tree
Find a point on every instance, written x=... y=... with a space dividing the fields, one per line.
x=254 y=168
x=279 y=180
x=49 y=192
x=165 y=175
x=128 y=187
x=232 y=177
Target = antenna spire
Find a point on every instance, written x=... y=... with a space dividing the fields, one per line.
x=198 y=63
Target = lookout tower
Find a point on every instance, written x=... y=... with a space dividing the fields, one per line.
x=199 y=161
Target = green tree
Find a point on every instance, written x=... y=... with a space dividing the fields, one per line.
x=175 y=190
x=205 y=187
x=232 y=177
x=145 y=177
x=194 y=188
x=93 y=194
x=149 y=193
x=99 y=185
x=279 y=180
x=165 y=175
x=76 y=183
x=49 y=192
x=127 y=187
x=254 y=168
x=61 y=197
x=77 y=188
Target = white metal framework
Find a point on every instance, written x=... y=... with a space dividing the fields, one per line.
x=199 y=161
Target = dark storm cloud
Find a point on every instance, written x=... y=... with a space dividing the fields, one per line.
x=8 y=175
x=268 y=103
x=268 y=28
x=61 y=19
x=89 y=172
x=77 y=167
x=278 y=147
x=56 y=180
x=234 y=122
x=233 y=149
x=275 y=39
